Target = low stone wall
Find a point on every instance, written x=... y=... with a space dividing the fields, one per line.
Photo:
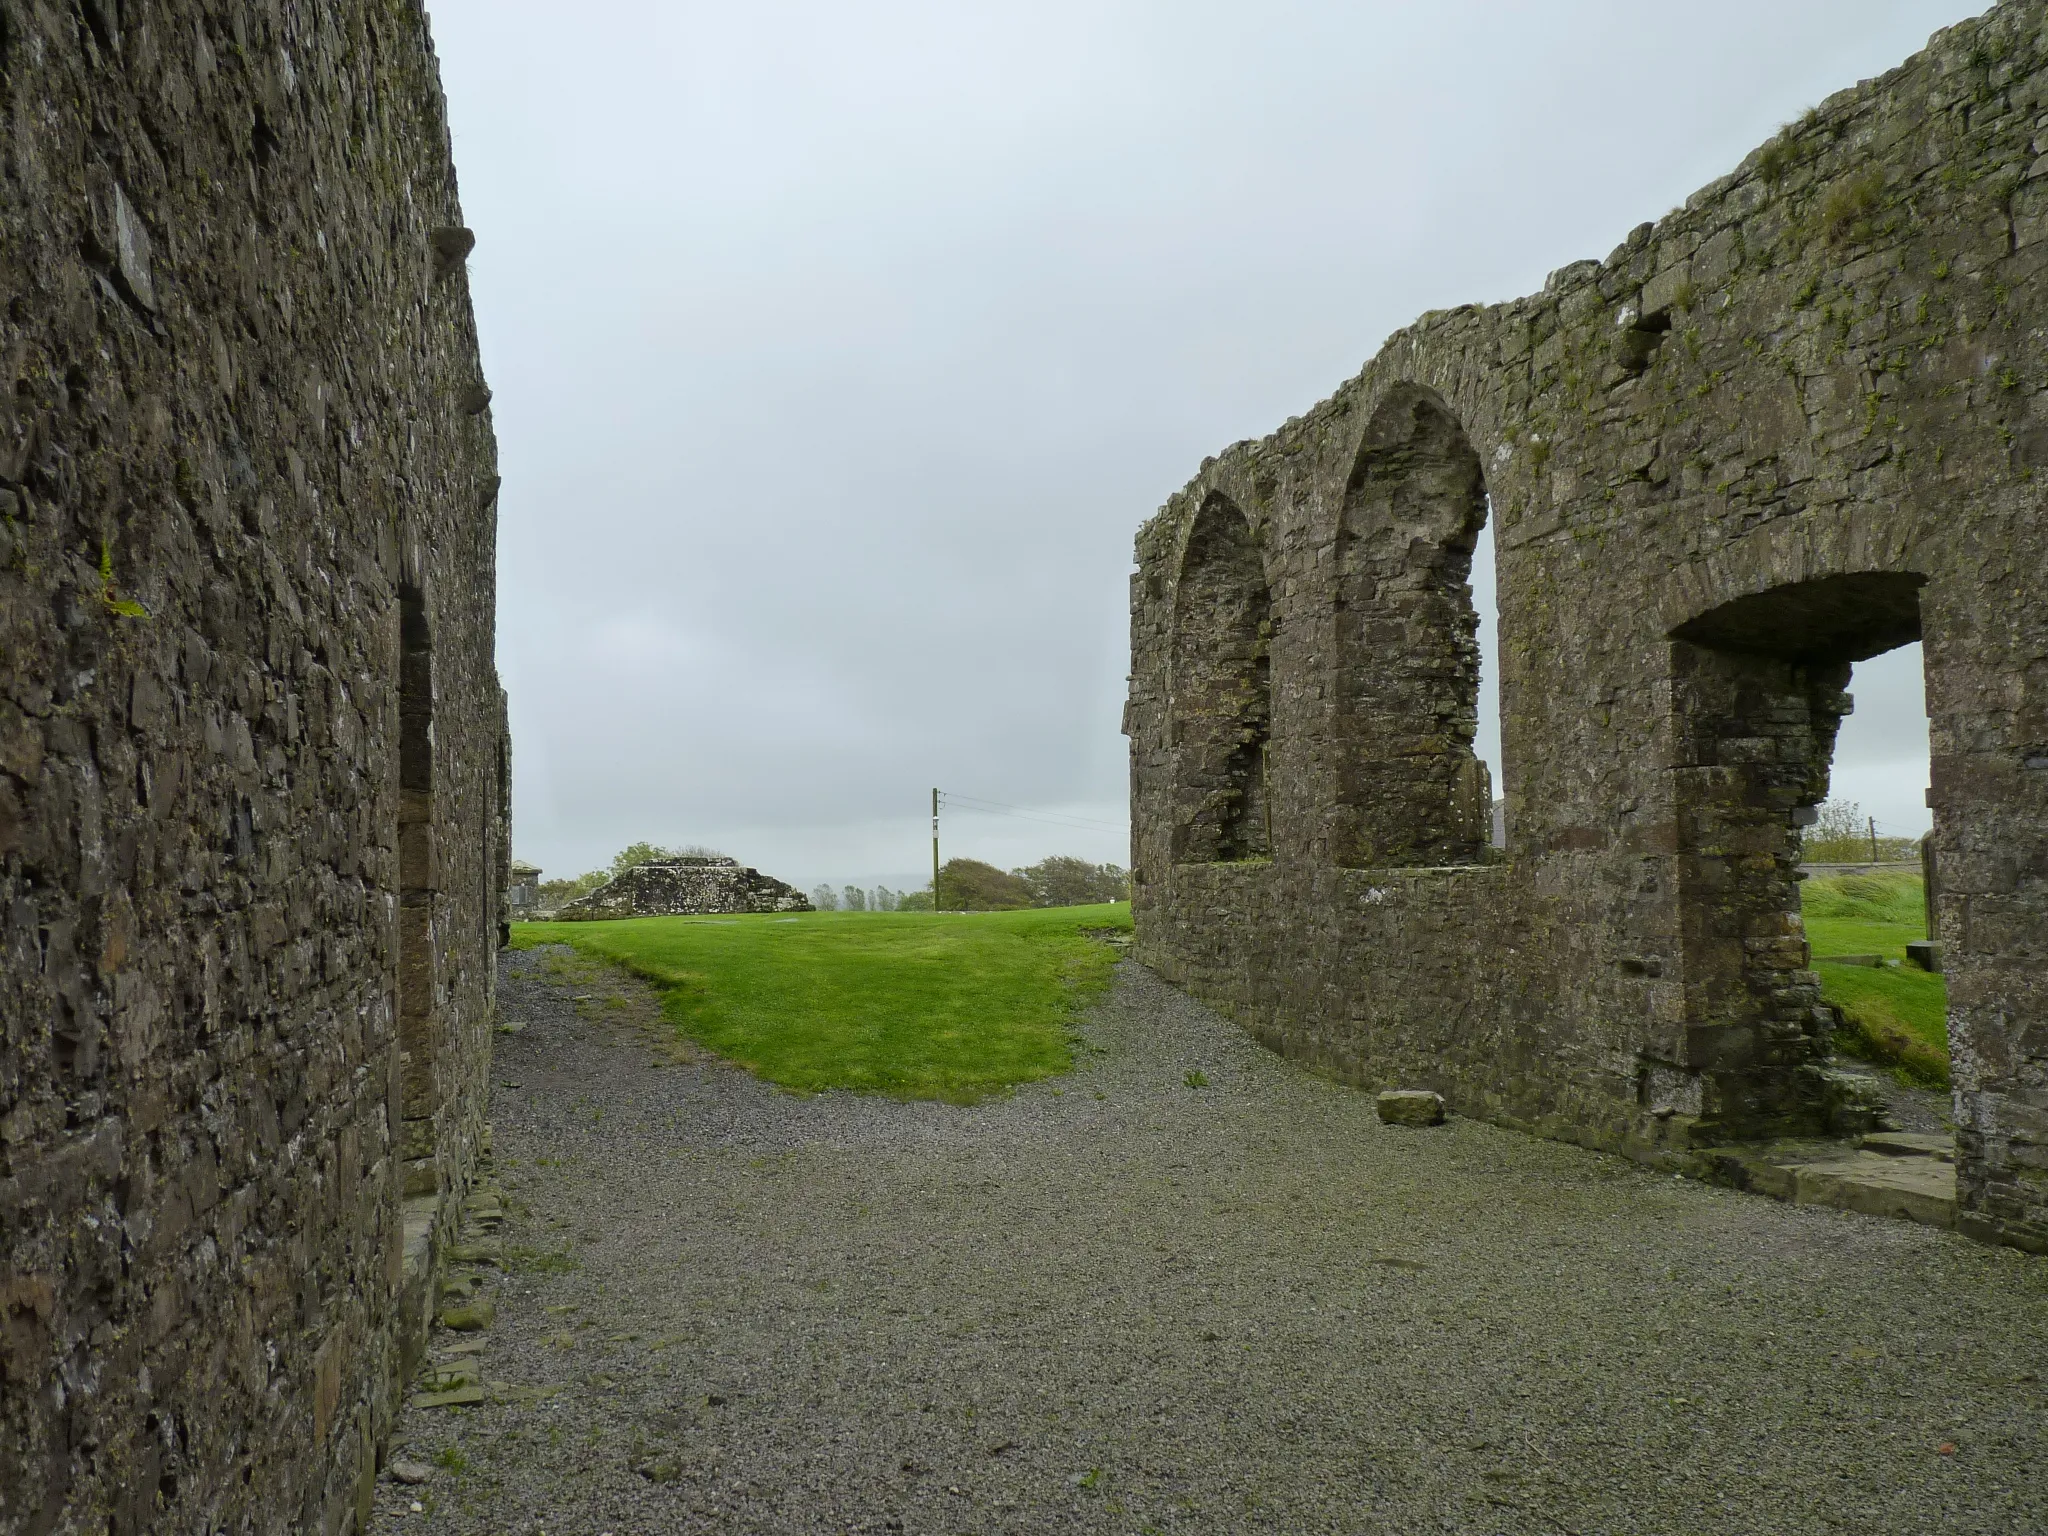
x=684 y=887
x=253 y=787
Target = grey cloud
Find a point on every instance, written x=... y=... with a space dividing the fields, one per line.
x=839 y=350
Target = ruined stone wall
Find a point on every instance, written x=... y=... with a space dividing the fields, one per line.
x=1793 y=424
x=686 y=886
x=247 y=490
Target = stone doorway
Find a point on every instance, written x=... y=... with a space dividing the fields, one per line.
x=1758 y=694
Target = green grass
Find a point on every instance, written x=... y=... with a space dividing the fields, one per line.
x=1863 y=914
x=1894 y=1017
x=916 y=1005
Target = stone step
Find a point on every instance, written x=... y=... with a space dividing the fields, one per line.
x=1921 y=1189
x=1911 y=1144
x=1902 y=1179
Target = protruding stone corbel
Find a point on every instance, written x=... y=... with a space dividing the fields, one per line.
x=452 y=245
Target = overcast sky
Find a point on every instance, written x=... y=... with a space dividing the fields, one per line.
x=840 y=348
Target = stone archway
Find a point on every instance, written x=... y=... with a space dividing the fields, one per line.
x=1405 y=695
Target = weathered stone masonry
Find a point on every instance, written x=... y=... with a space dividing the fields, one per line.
x=253 y=781
x=1798 y=422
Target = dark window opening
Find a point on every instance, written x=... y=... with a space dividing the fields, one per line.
x=1221 y=703
x=418 y=881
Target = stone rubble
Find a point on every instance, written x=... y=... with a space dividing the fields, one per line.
x=687 y=886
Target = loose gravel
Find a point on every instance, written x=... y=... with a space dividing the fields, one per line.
x=1119 y=1303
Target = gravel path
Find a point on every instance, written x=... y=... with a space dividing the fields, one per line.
x=1117 y=1303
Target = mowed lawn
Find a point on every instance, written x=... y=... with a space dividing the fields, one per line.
x=1895 y=1016
x=952 y=1006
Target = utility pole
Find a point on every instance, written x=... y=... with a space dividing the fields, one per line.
x=1872 y=822
x=935 y=850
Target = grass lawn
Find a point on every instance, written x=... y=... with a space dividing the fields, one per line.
x=917 y=1005
x=1896 y=1017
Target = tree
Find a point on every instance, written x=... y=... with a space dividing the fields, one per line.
x=1842 y=834
x=915 y=901
x=968 y=885
x=555 y=893
x=885 y=899
x=634 y=854
x=855 y=898
x=1068 y=882
x=825 y=899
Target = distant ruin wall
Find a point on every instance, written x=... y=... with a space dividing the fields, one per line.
x=1799 y=421
x=683 y=887
x=252 y=780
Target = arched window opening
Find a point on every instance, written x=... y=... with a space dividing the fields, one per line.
x=419 y=878
x=1411 y=789
x=1760 y=692
x=1221 y=704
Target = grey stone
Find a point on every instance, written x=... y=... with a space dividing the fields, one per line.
x=455 y=1397
x=131 y=251
x=411 y=1473
x=468 y=1316
x=1411 y=1106
x=1925 y=953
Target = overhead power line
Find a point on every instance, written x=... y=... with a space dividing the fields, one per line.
x=974 y=804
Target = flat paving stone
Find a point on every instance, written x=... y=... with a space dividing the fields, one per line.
x=1112 y=1304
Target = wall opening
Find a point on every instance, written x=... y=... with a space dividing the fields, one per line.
x=1759 y=690
x=1411 y=789
x=1221 y=703
x=1486 y=743
x=418 y=882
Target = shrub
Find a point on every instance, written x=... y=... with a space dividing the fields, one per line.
x=634 y=854
x=1846 y=212
x=968 y=885
x=1841 y=835
x=554 y=893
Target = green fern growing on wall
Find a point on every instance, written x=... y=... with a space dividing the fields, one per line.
x=110 y=595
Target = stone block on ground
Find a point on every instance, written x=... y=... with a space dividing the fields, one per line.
x=469 y=1316
x=459 y=1397
x=1411 y=1106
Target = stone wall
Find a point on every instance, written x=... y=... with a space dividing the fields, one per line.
x=1795 y=423
x=252 y=774
x=690 y=885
